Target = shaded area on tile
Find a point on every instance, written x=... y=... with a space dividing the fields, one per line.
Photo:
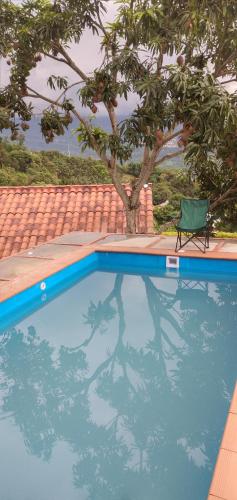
x=170 y=243
x=50 y=251
x=116 y=237
x=77 y=238
x=140 y=242
x=230 y=247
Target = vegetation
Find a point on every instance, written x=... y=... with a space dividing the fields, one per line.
x=185 y=101
x=20 y=166
x=217 y=234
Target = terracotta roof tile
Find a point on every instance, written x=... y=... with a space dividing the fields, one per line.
x=30 y=215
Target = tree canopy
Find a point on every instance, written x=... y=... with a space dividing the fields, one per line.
x=175 y=56
x=21 y=167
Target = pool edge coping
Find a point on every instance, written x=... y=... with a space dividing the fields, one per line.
x=224 y=479
x=167 y=252
x=20 y=283
x=31 y=278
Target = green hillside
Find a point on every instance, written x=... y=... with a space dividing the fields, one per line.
x=20 y=166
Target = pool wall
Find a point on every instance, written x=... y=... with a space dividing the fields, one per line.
x=36 y=296
x=140 y=261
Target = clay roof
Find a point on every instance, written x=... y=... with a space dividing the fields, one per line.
x=30 y=215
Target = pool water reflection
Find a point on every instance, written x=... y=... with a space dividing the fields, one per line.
x=118 y=390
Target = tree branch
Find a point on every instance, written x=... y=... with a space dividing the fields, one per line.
x=100 y=24
x=171 y=136
x=68 y=88
x=146 y=154
x=229 y=59
x=56 y=102
x=144 y=175
x=169 y=156
x=232 y=198
x=78 y=116
x=59 y=59
x=224 y=197
x=228 y=81
x=113 y=118
x=72 y=64
x=43 y=97
x=112 y=163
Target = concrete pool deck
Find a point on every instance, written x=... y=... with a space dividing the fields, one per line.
x=20 y=271
x=28 y=267
x=224 y=481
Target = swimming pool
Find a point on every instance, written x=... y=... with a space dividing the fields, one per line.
x=116 y=376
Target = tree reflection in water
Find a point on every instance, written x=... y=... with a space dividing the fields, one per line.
x=168 y=398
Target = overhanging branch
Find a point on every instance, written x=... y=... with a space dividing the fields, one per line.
x=169 y=156
x=36 y=95
x=76 y=113
x=229 y=59
x=72 y=64
x=225 y=196
x=100 y=23
x=229 y=81
x=58 y=59
x=68 y=88
x=171 y=136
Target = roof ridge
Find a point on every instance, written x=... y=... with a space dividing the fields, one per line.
x=35 y=186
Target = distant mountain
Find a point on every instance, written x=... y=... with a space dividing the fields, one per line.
x=69 y=145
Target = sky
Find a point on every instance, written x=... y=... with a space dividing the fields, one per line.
x=87 y=55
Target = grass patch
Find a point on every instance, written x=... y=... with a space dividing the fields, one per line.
x=217 y=234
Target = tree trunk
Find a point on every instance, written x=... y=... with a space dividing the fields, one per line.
x=131 y=218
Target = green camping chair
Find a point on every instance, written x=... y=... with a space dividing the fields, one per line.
x=193 y=224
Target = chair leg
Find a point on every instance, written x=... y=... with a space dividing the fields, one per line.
x=195 y=236
x=206 y=240
x=176 y=246
x=178 y=241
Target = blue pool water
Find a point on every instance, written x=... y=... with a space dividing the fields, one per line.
x=118 y=386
